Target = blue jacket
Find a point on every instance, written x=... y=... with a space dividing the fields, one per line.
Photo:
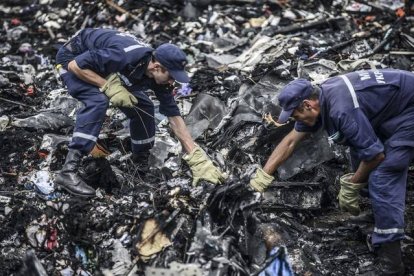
x=107 y=51
x=365 y=109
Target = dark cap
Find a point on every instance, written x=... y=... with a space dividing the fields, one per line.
x=292 y=96
x=174 y=60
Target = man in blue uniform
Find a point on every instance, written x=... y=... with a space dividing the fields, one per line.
x=373 y=113
x=100 y=66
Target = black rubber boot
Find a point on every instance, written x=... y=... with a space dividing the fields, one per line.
x=140 y=161
x=69 y=179
x=389 y=259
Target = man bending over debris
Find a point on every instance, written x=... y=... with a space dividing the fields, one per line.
x=372 y=112
x=100 y=66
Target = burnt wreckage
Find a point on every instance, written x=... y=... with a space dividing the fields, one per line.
x=241 y=53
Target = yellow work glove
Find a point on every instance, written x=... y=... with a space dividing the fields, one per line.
x=260 y=181
x=117 y=93
x=349 y=194
x=202 y=167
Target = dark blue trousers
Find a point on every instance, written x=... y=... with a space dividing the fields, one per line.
x=90 y=118
x=387 y=190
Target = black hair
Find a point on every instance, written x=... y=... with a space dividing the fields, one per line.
x=153 y=59
x=316 y=91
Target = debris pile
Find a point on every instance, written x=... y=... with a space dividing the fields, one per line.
x=241 y=53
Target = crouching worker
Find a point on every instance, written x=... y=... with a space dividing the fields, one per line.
x=99 y=66
x=373 y=113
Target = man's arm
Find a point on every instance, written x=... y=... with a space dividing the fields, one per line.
x=181 y=132
x=365 y=168
x=283 y=150
x=198 y=161
x=86 y=75
x=264 y=177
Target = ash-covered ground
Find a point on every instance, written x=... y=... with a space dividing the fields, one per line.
x=241 y=53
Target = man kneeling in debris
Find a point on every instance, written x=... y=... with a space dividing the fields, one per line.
x=100 y=66
x=373 y=113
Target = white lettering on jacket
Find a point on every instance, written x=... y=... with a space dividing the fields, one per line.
x=364 y=75
x=379 y=77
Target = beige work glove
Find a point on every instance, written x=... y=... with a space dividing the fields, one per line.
x=349 y=194
x=202 y=167
x=117 y=93
x=260 y=181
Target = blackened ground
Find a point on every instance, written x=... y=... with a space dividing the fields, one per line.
x=321 y=241
x=18 y=153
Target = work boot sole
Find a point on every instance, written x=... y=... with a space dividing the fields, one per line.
x=74 y=193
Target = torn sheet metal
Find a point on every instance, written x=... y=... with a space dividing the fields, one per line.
x=264 y=50
x=206 y=113
x=164 y=146
x=44 y=121
x=309 y=154
x=217 y=61
x=318 y=71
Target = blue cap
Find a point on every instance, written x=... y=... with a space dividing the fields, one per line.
x=174 y=60
x=292 y=96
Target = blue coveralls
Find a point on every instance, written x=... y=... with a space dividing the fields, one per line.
x=107 y=51
x=373 y=112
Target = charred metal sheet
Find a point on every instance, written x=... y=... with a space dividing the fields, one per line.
x=206 y=113
x=239 y=58
x=294 y=195
x=45 y=121
x=309 y=154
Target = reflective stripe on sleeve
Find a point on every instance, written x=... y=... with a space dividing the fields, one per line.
x=351 y=90
x=132 y=47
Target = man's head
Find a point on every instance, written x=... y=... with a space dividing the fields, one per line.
x=300 y=100
x=168 y=65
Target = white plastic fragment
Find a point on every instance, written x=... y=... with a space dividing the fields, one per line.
x=42 y=180
x=4 y=122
